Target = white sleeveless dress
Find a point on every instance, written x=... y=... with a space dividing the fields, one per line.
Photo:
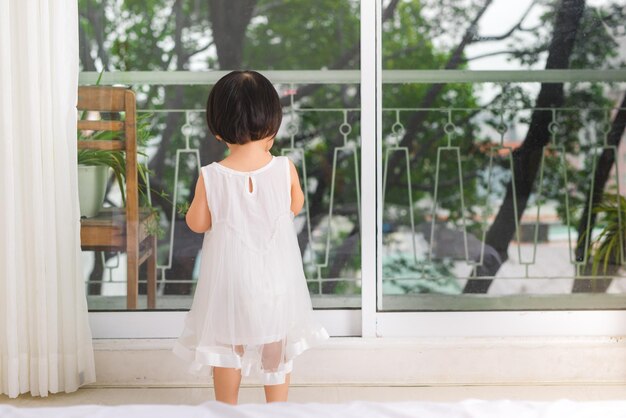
x=251 y=309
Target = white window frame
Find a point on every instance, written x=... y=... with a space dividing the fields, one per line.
x=370 y=320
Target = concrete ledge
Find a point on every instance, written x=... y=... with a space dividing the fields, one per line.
x=392 y=362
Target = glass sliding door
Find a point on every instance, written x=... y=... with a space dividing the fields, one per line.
x=502 y=190
x=460 y=158
x=170 y=53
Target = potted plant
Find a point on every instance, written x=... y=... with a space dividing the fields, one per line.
x=92 y=183
x=608 y=246
x=95 y=166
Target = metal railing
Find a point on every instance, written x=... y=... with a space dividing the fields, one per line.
x=350 y=144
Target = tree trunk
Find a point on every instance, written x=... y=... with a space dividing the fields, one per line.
x=96 y=275
x=229 y=21
x=416 y=122
x=600 y=177
x=343 y=255
x=527 y=157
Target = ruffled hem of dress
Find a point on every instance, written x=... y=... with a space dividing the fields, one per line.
x=205 y=356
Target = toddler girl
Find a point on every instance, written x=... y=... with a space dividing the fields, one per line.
x=251 y=310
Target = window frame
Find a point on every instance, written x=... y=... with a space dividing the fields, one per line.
x=371 y=320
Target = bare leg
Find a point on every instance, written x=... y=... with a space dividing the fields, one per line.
x=277 y=393
x=272 y=355
x=226 y=383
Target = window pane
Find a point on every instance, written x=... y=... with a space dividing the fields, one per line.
x=487 y=185
x=320 y=130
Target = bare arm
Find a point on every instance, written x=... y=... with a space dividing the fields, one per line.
x=198 y=216
x=297 y=196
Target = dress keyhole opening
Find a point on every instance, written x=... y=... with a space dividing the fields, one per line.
x=250 y=185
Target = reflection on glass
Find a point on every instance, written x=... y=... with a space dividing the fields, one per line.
x=320 y=129
x=503 y=195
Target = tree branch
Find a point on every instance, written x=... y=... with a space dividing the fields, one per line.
x=433 y=92
x=490 y=54
x=229 y=20
x=406 y=51
x=527 y=157
x=505 y=35
x=96 y=22
x=600 y=177
x=342 y=61
x=85 y=50
x=198 y=50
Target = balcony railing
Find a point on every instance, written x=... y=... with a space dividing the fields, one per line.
x=429 y=276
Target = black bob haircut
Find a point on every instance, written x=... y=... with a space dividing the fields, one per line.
x=243 y=106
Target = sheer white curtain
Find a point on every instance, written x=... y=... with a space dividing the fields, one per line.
x=45 y=340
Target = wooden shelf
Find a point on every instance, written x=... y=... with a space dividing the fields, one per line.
x=104 y=145
x=107 y=230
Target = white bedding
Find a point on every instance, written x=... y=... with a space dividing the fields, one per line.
x=357 y=409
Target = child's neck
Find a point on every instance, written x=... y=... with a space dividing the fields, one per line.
x=247 y=151
x=247 y=157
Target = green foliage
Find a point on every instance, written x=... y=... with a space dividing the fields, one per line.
x=302 y=34
x=583 y=117
x=182 y=208
x=408 y=44
x=609 y=244
x=113 y=159
x=403 y=276
x=116 y=160
x=298 y=34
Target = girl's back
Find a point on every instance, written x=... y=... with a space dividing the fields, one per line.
x=251 y=308
x=250 y=204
